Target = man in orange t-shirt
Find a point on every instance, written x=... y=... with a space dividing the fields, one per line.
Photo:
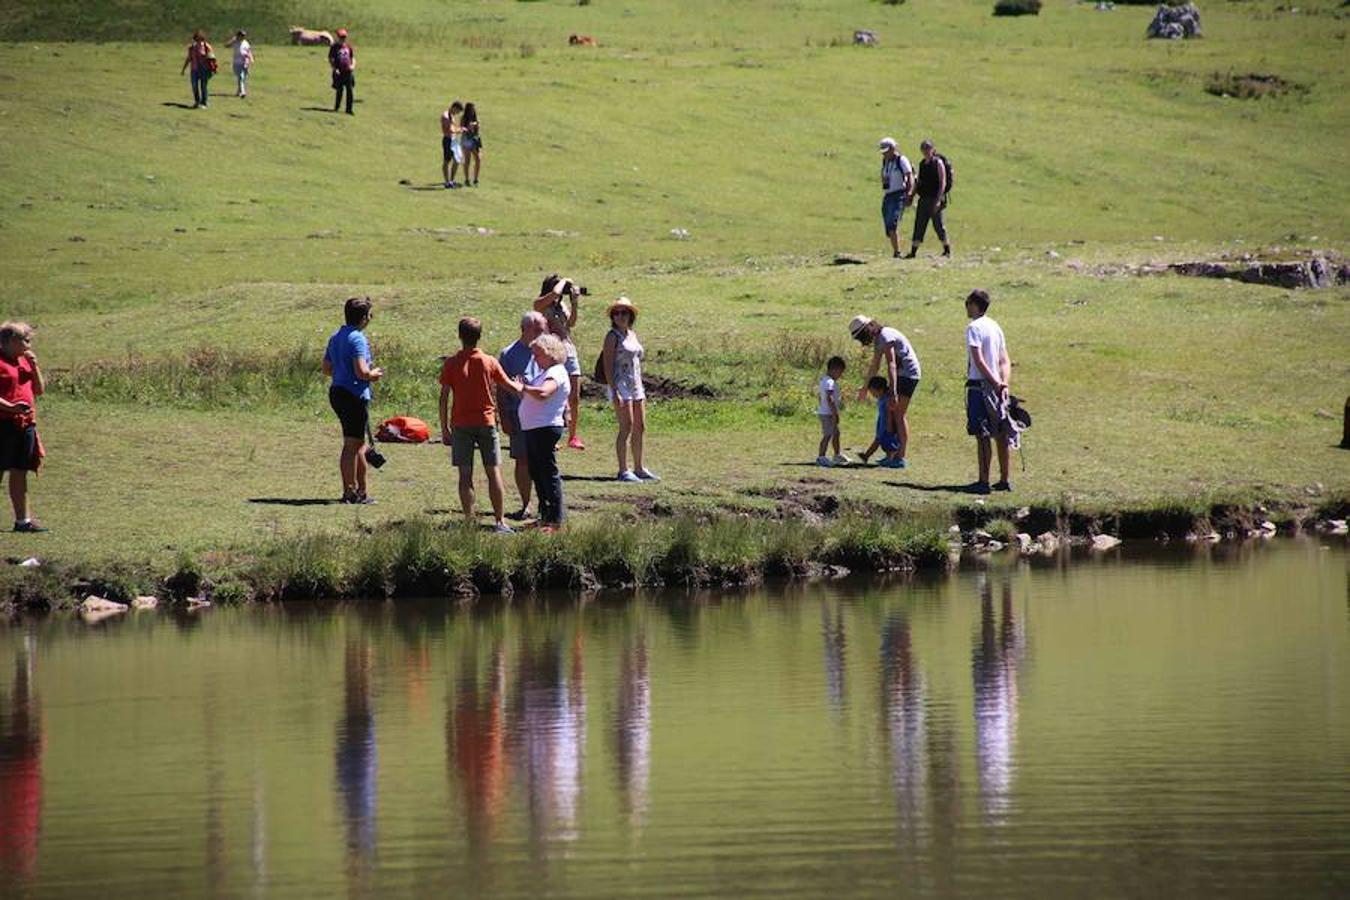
x=470 y=375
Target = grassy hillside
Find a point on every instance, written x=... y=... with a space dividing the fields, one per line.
x=137 y=233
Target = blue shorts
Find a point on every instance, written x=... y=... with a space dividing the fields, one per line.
x=892 y=208
x=977 y=413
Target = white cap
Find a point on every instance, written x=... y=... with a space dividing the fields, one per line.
x=858 y=324
x=887 y=143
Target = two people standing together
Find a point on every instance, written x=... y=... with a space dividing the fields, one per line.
x=900 y=185
x=461 y=144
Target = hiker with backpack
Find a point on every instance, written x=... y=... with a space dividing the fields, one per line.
x=897 y=186
x=347 y=361
x=202 y=60
x=620 y=367
x=934 y=184
x=342 y=59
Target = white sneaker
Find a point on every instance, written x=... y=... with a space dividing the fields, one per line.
x=628 y=476
x=647 y=474
x=824 y=461
x=842 y=460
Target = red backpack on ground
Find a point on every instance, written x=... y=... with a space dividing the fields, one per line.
x=403 y=430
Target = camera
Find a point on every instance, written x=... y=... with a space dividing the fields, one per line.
x=571 y=289
x=374 y=457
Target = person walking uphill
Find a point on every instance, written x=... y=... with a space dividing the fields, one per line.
x=542 y=403
x=202 y=60
x=20 y=447
x=342 y=59
x=902 y=376
x=933 y=185
x=348 y=362
x=897 y=187
x=471 y=375
x=621 y=360
x=988 y=372
x=517 y=361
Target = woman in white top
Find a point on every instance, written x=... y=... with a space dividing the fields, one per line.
x=542 y=403
x=622 y=361
x=243 y=60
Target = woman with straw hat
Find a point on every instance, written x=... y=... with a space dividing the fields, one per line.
x=622 y=363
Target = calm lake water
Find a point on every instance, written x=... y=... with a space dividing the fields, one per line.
x=1163 y=726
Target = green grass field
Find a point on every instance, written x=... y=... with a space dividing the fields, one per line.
x=184 y=267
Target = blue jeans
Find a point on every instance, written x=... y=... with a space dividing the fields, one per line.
x=892 y=208
x=241 y=80
x=199 y=79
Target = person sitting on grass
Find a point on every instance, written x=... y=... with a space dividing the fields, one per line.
x=348 y=362
x=886 y=439
x=20 y=448
x=622 y=361
x=470 y=375
x=543 y=402
x=517 y=361
x=831 y=401
x=901 y=372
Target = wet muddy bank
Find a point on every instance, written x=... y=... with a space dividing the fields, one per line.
x=804 y=538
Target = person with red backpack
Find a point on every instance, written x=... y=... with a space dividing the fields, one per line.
x=342 y=58
x=934 y=184
x=202 y=59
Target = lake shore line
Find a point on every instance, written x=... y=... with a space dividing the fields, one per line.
x=426 y=559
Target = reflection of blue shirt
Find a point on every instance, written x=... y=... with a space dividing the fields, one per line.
x=357 y=779
x=517 y=361
x=889 y=441
x=346 y=346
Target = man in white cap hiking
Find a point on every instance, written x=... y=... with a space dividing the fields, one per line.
x=902 y=375
x=897 y=187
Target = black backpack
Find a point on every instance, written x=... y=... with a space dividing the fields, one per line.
x=947 y=165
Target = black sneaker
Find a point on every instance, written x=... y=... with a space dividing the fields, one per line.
x=519 y=515
x=29 y=527
x=946 y=251
x=911 y=254
x=362 y=500
x=1003 y=485
x=978 y=487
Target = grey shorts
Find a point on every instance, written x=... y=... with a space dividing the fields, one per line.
x=464 y=439
x=572 y=364
x=517 y=447
x=829 y=425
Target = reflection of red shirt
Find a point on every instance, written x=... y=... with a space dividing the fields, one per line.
x=20 y=808
x=16 y=383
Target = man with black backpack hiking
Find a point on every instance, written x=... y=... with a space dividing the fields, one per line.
x=934 y=184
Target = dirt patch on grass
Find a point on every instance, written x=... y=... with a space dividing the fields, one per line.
x=658 y=387
x=1252 y=86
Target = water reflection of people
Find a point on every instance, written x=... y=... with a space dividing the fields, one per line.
x=835 y=642
x=21 y=745
x=356 y=761
x=994 y=661
x=550 y=728
x=903 y=708
x=477 y=740
x=633 y=729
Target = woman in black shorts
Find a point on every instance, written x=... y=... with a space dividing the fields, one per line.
x=348 y=362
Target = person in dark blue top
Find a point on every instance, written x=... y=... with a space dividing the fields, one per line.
x=886 y=439
x=348 y=362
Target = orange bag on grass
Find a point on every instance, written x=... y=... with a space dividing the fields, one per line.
x=403 y=430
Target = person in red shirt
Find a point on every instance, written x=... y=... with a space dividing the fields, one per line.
x=20 y=385
x=470 y=375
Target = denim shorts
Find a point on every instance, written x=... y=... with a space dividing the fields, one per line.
x=464 y=439
x=892 y=208
x=977 y=412
x=572 y=364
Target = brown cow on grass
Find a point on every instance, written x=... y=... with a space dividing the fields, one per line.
x=307 y=37
x=582 y=40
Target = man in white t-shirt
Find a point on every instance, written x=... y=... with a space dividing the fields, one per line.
x=988 y=371
x=243 y=60
x=897 y=187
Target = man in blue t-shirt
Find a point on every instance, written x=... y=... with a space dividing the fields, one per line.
x=517 y=361
x=347 y=361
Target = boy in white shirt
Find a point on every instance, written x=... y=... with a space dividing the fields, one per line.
x=988 y=371
x=831 y=401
